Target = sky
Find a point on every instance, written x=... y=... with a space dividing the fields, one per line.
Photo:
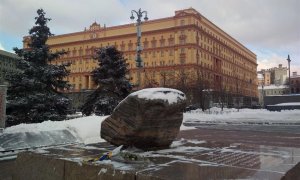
x=269 y=28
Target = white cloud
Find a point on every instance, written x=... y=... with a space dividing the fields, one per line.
x=1 y=47
x=267 y=24
x=17 y=16
x=273 y=60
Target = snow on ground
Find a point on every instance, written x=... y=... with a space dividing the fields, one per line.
x=183 y=127
x=256 y=116
x=87 y=129
x=288 y=104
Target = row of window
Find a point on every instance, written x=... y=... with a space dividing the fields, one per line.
x=6 y=64
x=274 y=92
x=235 y=59
x=171 y=53
x=217 y=37
x=122 y=46
x=222 y=40
x=295 y=90
x=75 y=68
x=294 y=81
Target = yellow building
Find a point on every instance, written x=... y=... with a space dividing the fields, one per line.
x=186 y=43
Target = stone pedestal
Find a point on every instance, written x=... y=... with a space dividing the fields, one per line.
x=3 y=89
x=36 y=166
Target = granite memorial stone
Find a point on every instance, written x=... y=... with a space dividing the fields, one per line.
x=146 y=119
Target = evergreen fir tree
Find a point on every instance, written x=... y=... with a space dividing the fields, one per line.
x=33 y=94
x=113 y=85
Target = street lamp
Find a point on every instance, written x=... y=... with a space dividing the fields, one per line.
x=138 y=60
x=289 y=63
x=262 y=95
x=262 y=90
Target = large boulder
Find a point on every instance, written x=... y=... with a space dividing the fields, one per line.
x=147 y=119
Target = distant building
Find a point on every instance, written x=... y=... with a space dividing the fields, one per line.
x=7 y=63
x=295 y=83
x=279 y=75
x=264 y=77
x=275 y=75
x=271 y=90
x=290 y=101
x=260 y=79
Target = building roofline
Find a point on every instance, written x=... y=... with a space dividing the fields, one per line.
x=227 y=36
x=9 y=54
x=109 y=28
x=232 y=38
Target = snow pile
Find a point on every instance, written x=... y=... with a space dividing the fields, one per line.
x=288 y=104
x=85 y=129
x=183 y=127
x=103 y=170
x=243 y=116
x=167 y=94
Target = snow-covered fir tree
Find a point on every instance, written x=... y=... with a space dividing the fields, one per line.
x=33 y=93
x=113 y=85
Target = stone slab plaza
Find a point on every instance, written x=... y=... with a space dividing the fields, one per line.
x=201 y=153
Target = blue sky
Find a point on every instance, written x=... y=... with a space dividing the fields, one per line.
x=9 y=41
x=269 y=28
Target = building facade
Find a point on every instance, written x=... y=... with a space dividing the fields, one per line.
x=279 y=75
x=275 y=75
x=271 y=90
x=295 y=83
x=178 y=48
x=264 y=78
x=7 y=64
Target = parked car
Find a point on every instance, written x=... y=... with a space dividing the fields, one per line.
x=190 y=107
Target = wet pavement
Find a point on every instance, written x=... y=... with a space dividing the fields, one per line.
x=280 y=128
x=201 y=154
x=251 y=137
x=207 y=152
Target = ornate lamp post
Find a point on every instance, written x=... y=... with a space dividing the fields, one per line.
x=262 y=95
x=139 y=62
x=289 y=63
x=262 y=91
